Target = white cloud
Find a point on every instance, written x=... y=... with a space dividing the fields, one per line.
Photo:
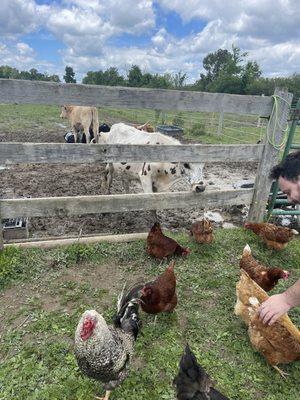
x=267 y=29
x=85 y=27
x=23 y=57
x=272 y=19
x=131 y=16
x=278 y=60
x=24 y=49
x=16 y=55
x=19 y=17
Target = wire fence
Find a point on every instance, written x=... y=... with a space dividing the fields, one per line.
x=202 y=127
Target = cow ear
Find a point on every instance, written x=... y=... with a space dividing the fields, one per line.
x=187 y=165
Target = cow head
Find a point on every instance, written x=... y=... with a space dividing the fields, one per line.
x=194 y=175
x=65 y=111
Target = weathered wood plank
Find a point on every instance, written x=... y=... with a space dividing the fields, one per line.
x=12 y=153
x=80 y=205
x=36 y=92
x=66 y=241
x=270 y=155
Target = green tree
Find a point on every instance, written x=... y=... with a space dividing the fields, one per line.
x=135 y=76
x=33 y=75
x=226 y=84
x=147 y=80
x=228 y=72
x=178 y=80
x=7 y=72
x=110 y=77
x=69 y=76
x=213 y=64
x=251 y=73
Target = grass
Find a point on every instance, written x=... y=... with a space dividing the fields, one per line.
x=201 y=127
x=44 y=292
x=25 y=117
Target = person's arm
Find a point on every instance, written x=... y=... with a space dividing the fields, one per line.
x=279 y=304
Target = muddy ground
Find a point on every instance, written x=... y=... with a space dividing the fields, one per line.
x=41 y=180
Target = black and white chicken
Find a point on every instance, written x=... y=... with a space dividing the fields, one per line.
x=104 y=352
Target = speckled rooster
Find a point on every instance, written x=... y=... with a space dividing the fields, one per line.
x=104 y=352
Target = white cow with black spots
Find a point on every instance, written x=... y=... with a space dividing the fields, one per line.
x=154 y=176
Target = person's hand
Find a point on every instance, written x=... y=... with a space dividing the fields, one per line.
x=274 y=308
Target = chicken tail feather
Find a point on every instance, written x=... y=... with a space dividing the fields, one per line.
x=247 y=250
x=130 y=322
x=127 y=316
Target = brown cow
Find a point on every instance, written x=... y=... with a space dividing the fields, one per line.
x=82 y=119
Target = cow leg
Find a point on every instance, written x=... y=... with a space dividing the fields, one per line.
x=146 y=181
x=86 y=130
x=125 y=183
x=108 y=177
x=75 y=133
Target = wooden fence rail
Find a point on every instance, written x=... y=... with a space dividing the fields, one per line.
x=12 y=153
x=80 y=205
x=36 y=92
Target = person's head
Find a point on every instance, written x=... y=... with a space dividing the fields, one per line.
x=288 y=175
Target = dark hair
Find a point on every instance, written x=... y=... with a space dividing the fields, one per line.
x=288 y=168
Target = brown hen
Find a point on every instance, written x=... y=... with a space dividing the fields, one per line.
x=160 y=295
x=161 y=246
x=278 y=343
x=275 y=237
x=265 y=277
x=202 y=231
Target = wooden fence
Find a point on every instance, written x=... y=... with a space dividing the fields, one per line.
x=34 y=92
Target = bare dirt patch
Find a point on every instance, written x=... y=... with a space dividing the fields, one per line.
x=49 y=293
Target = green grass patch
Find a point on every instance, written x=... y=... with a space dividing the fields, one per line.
x=44 y=292
x=198 y=126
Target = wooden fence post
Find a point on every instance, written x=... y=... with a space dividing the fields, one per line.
x=220 y=126
x=269 y=158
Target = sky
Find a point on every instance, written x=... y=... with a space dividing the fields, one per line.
x=163 y=36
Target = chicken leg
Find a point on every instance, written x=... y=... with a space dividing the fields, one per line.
x=282 y=373
x=106 y=397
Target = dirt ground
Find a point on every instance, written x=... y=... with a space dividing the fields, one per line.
x=42 y=180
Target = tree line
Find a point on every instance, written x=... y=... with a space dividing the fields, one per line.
x=225 y=71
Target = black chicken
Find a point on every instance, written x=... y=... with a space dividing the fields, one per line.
x=192 y=382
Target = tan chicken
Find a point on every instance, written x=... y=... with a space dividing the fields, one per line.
x=275 y=237
x=202 y=231
x=278 y=343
